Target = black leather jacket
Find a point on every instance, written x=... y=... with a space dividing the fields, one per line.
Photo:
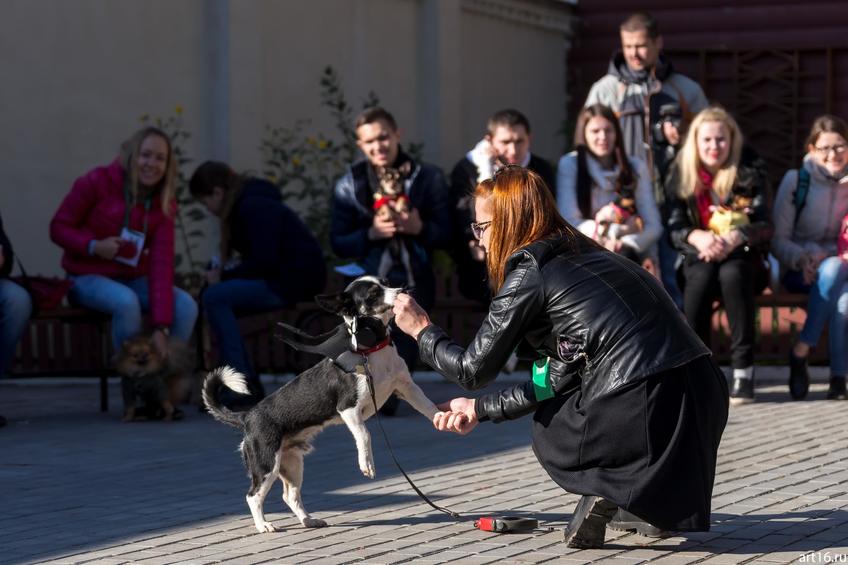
x=752 y=185
x=602 y=319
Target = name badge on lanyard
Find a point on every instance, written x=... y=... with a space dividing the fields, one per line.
x=132 y=241
x=542 y=379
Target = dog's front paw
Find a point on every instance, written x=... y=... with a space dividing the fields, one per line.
x=314 y=523
x=367 y=469
x=266 y=528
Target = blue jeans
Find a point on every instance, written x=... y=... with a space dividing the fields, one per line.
x=668 y=269
x=125 y=300
x=15 y=309
x=222 y=303
x=828 y=302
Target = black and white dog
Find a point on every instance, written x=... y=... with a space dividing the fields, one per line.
x=278 y=431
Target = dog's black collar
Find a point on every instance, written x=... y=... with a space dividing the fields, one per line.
x=347 y=344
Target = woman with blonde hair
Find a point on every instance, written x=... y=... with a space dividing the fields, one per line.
x=629 y=408
x=116 y=227
x=718 y=198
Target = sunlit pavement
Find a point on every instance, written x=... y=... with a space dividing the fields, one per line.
x=79 y=486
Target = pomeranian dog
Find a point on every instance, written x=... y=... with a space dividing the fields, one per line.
x=149 y=379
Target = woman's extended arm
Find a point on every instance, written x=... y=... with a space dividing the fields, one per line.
x=516 y=305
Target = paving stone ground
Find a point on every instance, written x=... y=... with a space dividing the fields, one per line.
x=78 y=486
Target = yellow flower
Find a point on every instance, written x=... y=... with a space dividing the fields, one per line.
x=178 y=110
x=322 y=144
x=310 y=140
x=296 y=161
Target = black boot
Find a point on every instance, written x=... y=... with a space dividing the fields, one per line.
x=588 y=524
x=799 y=377
x=624 y=521
x=837 y=388
x=742 y=391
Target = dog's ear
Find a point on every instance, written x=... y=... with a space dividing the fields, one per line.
x=340 y=303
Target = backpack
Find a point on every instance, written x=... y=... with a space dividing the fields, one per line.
x=799 y=197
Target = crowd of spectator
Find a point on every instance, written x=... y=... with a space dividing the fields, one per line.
x=657 y=175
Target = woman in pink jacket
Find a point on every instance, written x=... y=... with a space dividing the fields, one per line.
x=116 y=227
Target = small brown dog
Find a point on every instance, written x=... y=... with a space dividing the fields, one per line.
x=390 y=202
x=147 y=376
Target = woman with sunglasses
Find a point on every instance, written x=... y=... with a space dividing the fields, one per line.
x=629 y=407
x=808 y=212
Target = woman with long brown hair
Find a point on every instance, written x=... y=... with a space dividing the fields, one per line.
x=606 y=194
x=629 y=408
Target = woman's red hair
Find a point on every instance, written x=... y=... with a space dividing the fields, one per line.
x=523 y=211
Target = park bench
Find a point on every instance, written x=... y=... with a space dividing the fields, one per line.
x=76 y=341
x=780 y=318
x=67 y=341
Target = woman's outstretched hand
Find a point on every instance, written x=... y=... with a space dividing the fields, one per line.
x=459 y=416
x=409 y=316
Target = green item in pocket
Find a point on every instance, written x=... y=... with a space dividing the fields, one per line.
x=542 y=379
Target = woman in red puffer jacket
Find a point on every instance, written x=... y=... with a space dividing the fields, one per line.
x=116 y=228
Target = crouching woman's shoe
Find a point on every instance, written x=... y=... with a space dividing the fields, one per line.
x=588 y=523
x=624 y=521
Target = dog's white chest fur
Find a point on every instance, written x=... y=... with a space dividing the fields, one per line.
x=388 y=374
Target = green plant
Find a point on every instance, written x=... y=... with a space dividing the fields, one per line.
x=190 y=213
x=305 y=165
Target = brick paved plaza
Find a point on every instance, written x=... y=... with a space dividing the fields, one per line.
x=78 y=486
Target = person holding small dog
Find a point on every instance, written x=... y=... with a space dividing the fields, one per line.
x=116 y=228
x=628 y=406
x=397 y=246
x=720 y=220
x=507 y=141
x=809 y=220
x=279 y=260
x=606 y=194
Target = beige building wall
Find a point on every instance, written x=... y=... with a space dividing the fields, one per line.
x=78 y=74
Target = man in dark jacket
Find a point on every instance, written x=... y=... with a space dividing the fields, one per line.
x=280 y=261
x=507 y=142
x=397 y=246
x=15 y=307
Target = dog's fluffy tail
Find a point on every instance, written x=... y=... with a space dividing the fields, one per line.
x=231 y=379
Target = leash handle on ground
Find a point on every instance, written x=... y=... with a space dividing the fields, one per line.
x=504 y=524
x=508 y=524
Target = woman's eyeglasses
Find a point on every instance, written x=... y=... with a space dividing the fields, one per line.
x=478 y=229
x=825 y=150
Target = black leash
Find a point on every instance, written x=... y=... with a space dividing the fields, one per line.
x=455 y=515
x=370 y=332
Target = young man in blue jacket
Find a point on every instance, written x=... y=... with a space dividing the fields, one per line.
x=390 y=213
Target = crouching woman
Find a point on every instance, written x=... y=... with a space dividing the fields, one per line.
x=628 y=406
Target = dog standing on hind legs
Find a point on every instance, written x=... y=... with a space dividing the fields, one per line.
x=278 y=431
